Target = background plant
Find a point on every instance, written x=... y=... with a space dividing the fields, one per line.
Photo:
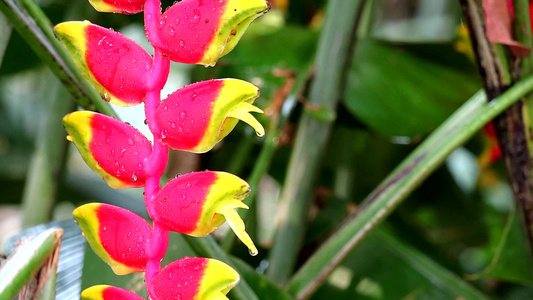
x=402 y=79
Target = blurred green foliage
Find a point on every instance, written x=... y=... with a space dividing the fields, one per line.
x=399 y=88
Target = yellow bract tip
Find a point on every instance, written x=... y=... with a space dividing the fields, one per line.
x=242 y=112
x=237 y=225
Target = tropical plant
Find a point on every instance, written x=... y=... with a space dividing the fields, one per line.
x=376 y=178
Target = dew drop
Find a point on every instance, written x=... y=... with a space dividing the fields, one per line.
x=252 y=252
x=134 y=177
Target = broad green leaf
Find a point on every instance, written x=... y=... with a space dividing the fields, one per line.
x=367 y=271
x=28 y=259
x=287 y=47
x=512 y=259
x=401 y=93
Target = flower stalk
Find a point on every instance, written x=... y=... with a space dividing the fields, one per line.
x=193 y=118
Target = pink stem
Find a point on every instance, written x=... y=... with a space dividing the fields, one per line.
x=157 y=162
x=152 y=17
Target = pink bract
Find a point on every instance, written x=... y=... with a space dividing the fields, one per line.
x=117 y=63
x=119 y=149
x=185 y=115
x=178 y=206
x=188 y=27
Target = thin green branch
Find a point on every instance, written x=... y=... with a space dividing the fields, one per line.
x=460 y=127
x=288 y=93
x=334 y=50
x=522 y=33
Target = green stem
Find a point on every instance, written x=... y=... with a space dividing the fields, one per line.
x=270 y=145
x=460 y=127
x=522 y=30
x=260 y=168
x=47 y=163
x=32 y=24
x=239 y=158
x=337 y=38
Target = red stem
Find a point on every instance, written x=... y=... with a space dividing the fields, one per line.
x=157 y=162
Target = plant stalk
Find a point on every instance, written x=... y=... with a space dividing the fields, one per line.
x=335 y=48
x=512 y=126
x=157 y=162
x=47 y=162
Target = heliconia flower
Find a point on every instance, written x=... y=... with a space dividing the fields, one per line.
x=200 y=32
x=198 y=203
x=107 y=292
x=114 y=64
x=194 y=278
x=126 y=7
x=118 y=236
x=114 y=150
x=198 y=116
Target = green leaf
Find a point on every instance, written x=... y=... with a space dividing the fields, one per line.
x=264 y=288
x=512 y=260
x=28 y=259
x=414 y=274
x=398 y=93
x=461 y=126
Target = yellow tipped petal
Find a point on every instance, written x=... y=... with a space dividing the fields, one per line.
x=242 y=112
x=250 y=107
x=218 y=296
x=237 y=225
x=236 y=204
